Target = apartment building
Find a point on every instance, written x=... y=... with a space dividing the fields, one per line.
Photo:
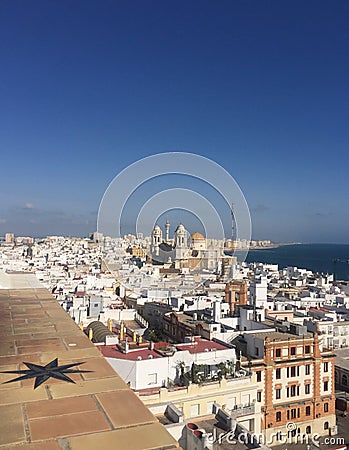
x=296 y=382
x=334 y=333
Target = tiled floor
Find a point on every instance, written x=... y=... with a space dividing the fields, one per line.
x=98 y=411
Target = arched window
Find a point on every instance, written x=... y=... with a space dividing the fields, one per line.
x=308 y=429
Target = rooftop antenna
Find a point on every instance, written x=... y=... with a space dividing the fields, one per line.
x=232 y=228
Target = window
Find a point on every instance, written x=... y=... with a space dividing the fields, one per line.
x=307 y=369
x=278 y=352
x=308 y=429
x=326 y=367
x=307 y=388
x=259 y=396
x=325 y=407
x=256 y=350
x=278 y=393
x=259 y=375
x=325 y=385
x=231 y=402
x=345 y=380
x=291 y=433
x=152 y=378
x=245 y=399
x=307 y=349
x=292 y=391
x=293 y=413
x=307 y=410
x=293 y=371
x=278 y=416
x=293 y=351
x=194 y=410
x=210 y=407
x=326 y=426
x=278 y=374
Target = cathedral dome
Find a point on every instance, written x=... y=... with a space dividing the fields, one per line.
x=197 y=236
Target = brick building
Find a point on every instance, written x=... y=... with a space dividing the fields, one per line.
x=236 y=294
x=296 y=382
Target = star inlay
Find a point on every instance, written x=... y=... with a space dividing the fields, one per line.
x=43 y=373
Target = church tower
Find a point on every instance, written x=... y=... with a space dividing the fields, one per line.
x=181 y=240
x=156 y=239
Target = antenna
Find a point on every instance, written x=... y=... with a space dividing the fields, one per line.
x=232 y=228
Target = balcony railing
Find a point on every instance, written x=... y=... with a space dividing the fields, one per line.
x=242 y=410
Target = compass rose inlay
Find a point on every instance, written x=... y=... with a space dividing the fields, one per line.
x=43 y=373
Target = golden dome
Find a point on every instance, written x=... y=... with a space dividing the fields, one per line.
x=197 y=236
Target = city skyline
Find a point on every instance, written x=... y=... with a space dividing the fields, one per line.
x=88 y=89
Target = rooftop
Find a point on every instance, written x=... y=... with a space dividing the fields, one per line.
x=112 y=351
x=281 y=336
x=96 y=410
x=201 y=345
x=342 y=358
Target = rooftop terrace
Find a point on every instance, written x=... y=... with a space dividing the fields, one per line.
x=98 y=410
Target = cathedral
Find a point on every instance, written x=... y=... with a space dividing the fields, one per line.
x=184 y=250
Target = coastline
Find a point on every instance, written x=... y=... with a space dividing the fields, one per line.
x=276 y=245
x=266 y=247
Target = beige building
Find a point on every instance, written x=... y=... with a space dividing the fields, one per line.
x=238 y=396
x=9 y=238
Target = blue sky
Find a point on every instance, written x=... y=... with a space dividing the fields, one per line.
x=89 y=87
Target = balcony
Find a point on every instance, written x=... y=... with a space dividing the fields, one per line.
x=242 y=410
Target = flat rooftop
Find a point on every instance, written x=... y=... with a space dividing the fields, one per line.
x=342 y=357
x=112 y=351
x=280 y=336
x=223 y=440
x=199 y=345
x=98 y=410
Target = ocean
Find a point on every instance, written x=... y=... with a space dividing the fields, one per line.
x=315 y=257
